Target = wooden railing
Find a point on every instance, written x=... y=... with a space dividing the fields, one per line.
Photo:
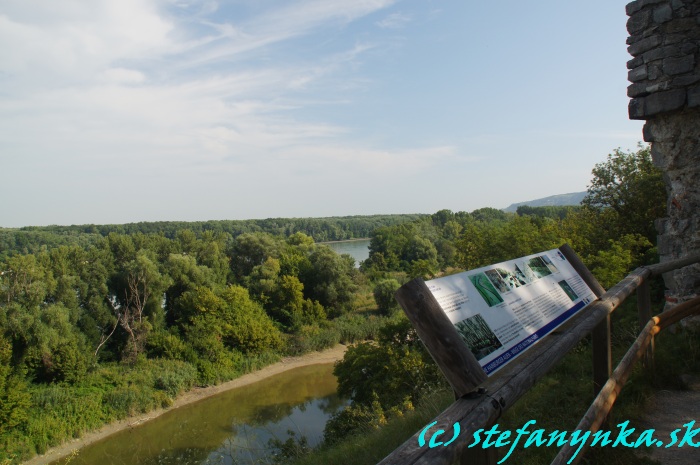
x=501 y=391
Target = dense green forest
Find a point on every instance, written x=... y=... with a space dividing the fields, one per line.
x=99 y=322
x=32 y=239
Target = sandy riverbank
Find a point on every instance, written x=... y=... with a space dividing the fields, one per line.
x=314 y=358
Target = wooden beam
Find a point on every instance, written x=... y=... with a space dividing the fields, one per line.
x=599 y=409
x=661 y=268
x=644 y=315
x=440 y=337
x=602 y=349
x=582 y=270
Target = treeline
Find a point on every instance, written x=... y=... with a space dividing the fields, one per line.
x=122 y=324
x=31 y=239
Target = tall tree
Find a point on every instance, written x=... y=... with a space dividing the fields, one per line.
x=629 y=184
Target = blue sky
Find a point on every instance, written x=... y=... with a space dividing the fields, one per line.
x=149 y=110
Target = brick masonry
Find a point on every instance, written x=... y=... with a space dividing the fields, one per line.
x=664 y=72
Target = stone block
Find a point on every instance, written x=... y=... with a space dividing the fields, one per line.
x=662 y=102
x=651 y=30
x=684 y=81
x=648 y=133
x=678 y=65
x=681 y=25
x=636 y=108
x=653 y=54
x=637 y=74
x=657 y=87
x=682 y=13
x=663 y=14
x=694 y=97
x=634 y=38
x=634 y=62
x=644 y=45
x=634 y=7
x=654 y=72
x=677 y=4
x=673 y=38
x=638 y=21
x=671 y=50
x=688 y=48
x=638 y=89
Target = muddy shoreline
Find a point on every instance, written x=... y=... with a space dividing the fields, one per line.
x=194 y=395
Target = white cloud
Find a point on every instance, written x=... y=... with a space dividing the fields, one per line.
x=394 y=21
x=136 y=94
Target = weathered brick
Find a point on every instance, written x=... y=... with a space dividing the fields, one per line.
x=694 y=97
x=671 y=51
x=634 y=62
x=683 y=13
x=662 y=102
x=680 y=25
x=636 y=108
x=654 y=72
x=638 y=21
x=644 y=45
x=635 y=38
x=684 y=81
x=677 y=4
x=673 y=38
x=657 y=87
x=638 y=89
x=634 y=7
x=637 y=74
x=647 y=133
x=654 y=54
x=663 y=14
x=688 y=48
x=650 y=31
x=678 y=65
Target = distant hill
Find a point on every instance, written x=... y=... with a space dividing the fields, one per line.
x=552 y=201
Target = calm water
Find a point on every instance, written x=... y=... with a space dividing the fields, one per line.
x=233 y=427
x=359 y=249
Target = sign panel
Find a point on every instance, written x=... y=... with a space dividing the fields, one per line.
x=503 y=309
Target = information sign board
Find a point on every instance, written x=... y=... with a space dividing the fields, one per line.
x=503 y=309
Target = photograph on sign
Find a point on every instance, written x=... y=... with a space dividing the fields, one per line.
x=503 y=309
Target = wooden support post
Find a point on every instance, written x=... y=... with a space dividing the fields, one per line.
x=602 y=356
x=602 y=353
x=440 y=337
x=644 y=309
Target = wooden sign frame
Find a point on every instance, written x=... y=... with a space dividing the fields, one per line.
x=439 y=335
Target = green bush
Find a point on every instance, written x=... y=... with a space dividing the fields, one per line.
x=311 y=338
x=129 y=400
x=384 y=296
x=175 y=377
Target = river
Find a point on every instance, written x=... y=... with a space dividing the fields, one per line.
x=356 y=248
x=233 y=427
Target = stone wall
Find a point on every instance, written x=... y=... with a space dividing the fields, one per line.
x=664 y=73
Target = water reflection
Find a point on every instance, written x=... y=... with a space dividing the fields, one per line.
x=231 y=428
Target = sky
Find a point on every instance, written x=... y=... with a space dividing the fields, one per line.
x=189 y=110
